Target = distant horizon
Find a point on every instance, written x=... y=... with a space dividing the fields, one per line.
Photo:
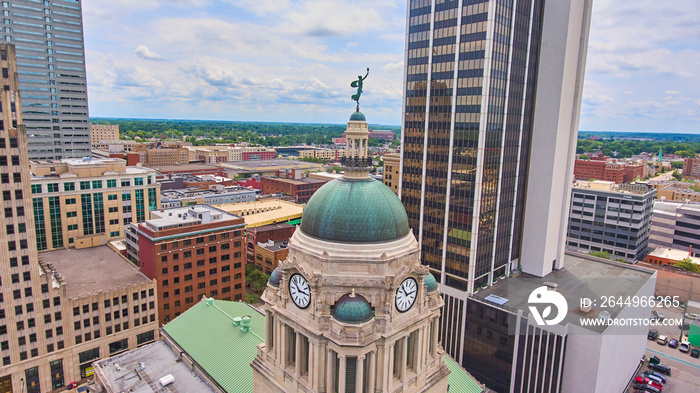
x=378 y=124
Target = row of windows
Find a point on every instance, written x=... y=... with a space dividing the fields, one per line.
x=84 y=185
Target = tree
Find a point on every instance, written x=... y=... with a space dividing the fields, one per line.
x=251 y=298
x=600 y=254
x=688 y=264
x=677 y=175
x=584 y=157
x=255 y=279
x=677 y=164
x=394 y=143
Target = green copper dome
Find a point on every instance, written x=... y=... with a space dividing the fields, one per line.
x=275 y=277
x=352 y=308
x=355 y=211
x=357 y=116
x=430 y=282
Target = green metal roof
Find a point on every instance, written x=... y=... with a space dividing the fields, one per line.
x=352 y=309
x=355 y=211
x=208 y=335
x=430 y=282
x=459 y=381
x=357 y=116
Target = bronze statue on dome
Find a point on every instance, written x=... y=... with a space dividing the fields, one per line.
x=358 y=84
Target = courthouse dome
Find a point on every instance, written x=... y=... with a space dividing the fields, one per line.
x=350 y=210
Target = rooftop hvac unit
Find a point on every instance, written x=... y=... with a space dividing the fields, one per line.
x=167 y=380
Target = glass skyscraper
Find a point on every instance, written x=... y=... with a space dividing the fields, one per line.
x=491 y=104
x=48 y=35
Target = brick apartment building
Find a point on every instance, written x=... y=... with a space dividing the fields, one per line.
x=691 y=167
x=267 y=244
x=192 y=252
x=291 y=183
x=601 y=168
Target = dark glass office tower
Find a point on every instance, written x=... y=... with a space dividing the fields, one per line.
x=491 y=104
x=48 y=35
x=472 y=67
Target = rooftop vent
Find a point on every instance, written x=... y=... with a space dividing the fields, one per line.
x=551 y=285
x=167 y=380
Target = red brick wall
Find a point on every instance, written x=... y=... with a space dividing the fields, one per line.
x=214 y=267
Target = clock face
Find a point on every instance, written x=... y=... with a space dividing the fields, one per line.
x=406 y=294
x=299 y=291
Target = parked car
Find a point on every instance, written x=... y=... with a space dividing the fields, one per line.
x=648 y=381
x=646 y=388
x=657 y=315
x=684 y=326
x=684 y=346
x=653 y=334
x=662 y=368
x=654 y=376
x=662 y=340
x=695 y=353
x=672 y=343
x=654 y=360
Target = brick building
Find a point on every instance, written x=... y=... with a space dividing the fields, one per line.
x=265 y=245
x=691 y=167
x=291 y=183
x=103 y=133
x=598 y=168
x=192 y=252
x=391 y=171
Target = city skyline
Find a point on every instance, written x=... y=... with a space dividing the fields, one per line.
x=204 y=60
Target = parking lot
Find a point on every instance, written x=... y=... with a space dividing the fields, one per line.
x=684 y=368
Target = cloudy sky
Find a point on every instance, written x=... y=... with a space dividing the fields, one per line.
x=293 y=61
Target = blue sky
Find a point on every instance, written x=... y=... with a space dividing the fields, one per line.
x=282 y=60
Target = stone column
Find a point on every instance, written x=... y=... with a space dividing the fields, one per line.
x=359 y=373
x=404 y=356
x=283 y=346
x=330 y=375
x=297 y=357
x=311 y=362
x=371 y=371
x=269 y=331
x=390 y=370
x=433 y=345
x=341 y=373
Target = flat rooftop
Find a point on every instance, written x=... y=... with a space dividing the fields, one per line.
x=674 y=254
x=252 y=165
x=90 y=270
x=264 y=212
x=186 y=168
x=582 y=276
x=298 y=182
x=186 y=216
x=160 y=360
x=274 y=245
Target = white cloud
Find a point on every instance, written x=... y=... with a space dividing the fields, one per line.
x=143 y=52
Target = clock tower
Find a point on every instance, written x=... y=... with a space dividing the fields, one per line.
x=351 y=309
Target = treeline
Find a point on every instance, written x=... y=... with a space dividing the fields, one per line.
x=623 y=148
x=266 y=134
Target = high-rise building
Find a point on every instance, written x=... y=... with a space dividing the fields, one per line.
x=63 y=310
x=87 y=202
x=101 y=133
x=610 y=218
x=48 y=36
x=675 y=225
x=488 y=86
x=192 y=252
